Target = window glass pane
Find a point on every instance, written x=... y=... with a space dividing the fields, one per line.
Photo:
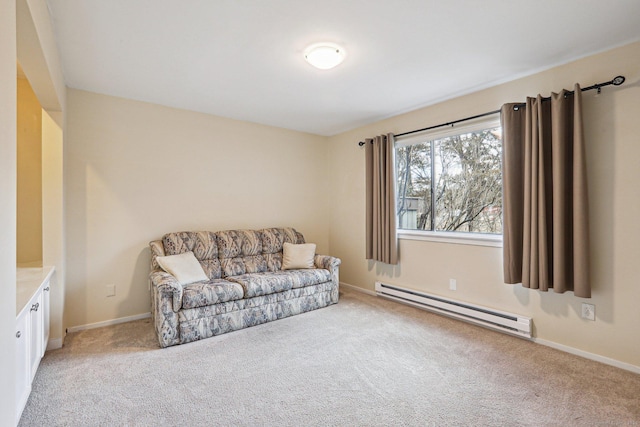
x=468 y=187
x=413 y=169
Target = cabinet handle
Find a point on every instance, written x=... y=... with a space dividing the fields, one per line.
x=46 y=289
x=18 y=334
x=35 y=306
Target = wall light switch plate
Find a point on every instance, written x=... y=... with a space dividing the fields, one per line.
x=588 y=311
x=453 y=284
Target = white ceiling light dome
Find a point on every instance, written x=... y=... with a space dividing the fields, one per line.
x=324 y=55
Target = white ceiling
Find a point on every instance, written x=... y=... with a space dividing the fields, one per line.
x=243 y=58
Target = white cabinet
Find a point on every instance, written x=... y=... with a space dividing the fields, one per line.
x=23 y=361
x=46 y=320
x=35 y=332
x=32 y=328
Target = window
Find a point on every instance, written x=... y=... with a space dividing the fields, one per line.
x=451 y=180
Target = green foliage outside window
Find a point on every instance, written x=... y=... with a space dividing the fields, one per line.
x=458 y=177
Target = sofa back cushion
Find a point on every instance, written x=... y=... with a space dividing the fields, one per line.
x=240 y=252
x=203 y=244
x=272 y=241
x=233 y=252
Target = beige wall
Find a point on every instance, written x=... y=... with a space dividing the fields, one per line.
x=612 y=129
x=29 y=228
x=38 y=54
x=135 y=171
x=8 y=159
x=16 y=42
x=40 y=59
x=52 y=220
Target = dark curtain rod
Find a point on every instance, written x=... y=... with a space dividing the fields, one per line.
x=617 y=81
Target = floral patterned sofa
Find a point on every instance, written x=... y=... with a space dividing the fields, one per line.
x=246 y=285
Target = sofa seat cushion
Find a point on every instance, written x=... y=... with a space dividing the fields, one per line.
x=213 y=292
x=204 y=322
x=257 y=284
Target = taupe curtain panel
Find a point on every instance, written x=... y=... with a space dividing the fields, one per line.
x=546 y=222
x=382 y=242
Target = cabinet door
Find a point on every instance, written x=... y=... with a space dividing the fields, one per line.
x=35 y=333
x=46 y=292
x=23 y=361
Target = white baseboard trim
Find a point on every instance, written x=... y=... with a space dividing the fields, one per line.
x=108 y=322
x=358 y=289
x=571 y=350
x=590 y=356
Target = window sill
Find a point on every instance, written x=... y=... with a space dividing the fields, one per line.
x=493 y=240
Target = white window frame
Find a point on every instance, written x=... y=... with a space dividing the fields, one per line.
x=455 y=237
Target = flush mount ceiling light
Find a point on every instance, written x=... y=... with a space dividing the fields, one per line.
x=324 y=55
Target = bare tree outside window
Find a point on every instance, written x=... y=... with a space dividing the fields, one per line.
x=458 y=177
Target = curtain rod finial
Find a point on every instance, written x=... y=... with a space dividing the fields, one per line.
x=618 y=80
x=361 y=143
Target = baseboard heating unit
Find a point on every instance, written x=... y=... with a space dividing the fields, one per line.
x=499 y=320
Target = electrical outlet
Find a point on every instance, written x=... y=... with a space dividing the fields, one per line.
x=111 y=290
x=588 y=311
x=453 y=284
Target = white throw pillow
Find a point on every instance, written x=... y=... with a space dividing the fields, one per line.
x=298 y=256
x=184 y=267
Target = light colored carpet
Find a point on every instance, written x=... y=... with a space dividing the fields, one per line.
x=366 y=361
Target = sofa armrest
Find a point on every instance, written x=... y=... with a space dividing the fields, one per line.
x=327 y=262
x=333 y=265
x=166 y=284
x=157 y=249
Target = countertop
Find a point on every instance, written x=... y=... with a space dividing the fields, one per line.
x=28 y=280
